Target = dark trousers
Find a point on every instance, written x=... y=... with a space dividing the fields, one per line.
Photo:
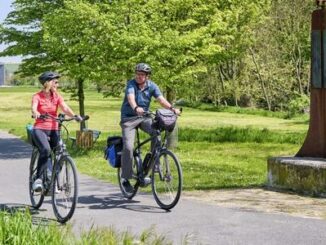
x=128 y=136
x=45 y=140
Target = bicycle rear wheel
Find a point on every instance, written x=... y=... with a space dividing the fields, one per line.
x=167 y=180
x=36 y=197
x=65 y=189
x=133 y=181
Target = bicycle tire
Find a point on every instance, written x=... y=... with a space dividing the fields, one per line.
x=133 y=181
x=65 y=183
x=36 y=198
x=167 y=180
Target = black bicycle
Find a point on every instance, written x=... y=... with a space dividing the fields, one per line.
x=60 y=181
x=160 y=164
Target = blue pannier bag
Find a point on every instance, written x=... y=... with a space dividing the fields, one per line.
x=29 y=130
x=113 y=151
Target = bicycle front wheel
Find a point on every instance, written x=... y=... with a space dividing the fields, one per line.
x=167 y=180
x=65 y=189
x=36 y=197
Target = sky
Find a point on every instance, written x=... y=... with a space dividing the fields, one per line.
x=4 y=10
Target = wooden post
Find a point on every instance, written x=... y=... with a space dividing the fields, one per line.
x=84 y=139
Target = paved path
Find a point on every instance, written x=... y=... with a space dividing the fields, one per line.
x=101 y=204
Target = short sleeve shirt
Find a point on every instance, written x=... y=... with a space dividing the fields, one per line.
x=47 y=105
x=143 y=97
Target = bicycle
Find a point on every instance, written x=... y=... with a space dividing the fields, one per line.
x=161 y=164
x=62 y=183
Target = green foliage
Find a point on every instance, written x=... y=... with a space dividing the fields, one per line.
x=19 y=228
x=236 y=134
x=298 y=105
x=227 y=165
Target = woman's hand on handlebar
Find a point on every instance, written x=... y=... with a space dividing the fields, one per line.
x=36 y=114
x=78 y=118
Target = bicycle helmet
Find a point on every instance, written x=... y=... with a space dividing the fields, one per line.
x=48 y=76
x=143 y=67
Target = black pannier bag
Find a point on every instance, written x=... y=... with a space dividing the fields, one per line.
x=165 y=120
x=113 y=151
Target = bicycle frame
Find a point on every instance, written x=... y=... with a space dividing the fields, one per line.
x=158 y=146
x=160 y=164
x=63 y=183
x=57 y=153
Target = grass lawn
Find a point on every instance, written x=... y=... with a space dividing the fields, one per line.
x=207 y=164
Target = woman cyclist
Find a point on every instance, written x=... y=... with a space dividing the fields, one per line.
x=45 y=132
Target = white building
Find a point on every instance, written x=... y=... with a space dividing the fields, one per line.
x=2 y=74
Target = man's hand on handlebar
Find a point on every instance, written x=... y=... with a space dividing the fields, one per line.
x=176 y=111
x=139 y=111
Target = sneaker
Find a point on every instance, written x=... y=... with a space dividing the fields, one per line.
x=127 y=186
x=38 y=185
x=145 y=182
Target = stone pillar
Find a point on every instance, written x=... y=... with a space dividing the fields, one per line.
x=315 y=142
x=306 y=172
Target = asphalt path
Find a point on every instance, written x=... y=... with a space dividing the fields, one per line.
x=101 y=205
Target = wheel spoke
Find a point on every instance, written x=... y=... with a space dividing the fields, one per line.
x=36 y=197
x=65 y=190
x=167 y=180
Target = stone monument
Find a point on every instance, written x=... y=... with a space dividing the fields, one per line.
x=306 y=172
x=315 y=142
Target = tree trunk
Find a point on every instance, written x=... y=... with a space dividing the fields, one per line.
x=262 y=83
x=220 y=72
x=81 y=97
x=298 y=63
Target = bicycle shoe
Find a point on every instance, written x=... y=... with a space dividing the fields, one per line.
x=145 y=182
x=127 y=186
x=38 y=185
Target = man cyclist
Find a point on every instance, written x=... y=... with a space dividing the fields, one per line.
x=45 y=131
x=137 y=99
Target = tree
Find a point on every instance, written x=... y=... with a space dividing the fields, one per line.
x=23 y=33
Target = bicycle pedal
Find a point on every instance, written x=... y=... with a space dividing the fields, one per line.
x=145 y=182
x=47 y=193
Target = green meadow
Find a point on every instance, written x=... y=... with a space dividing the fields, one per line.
x=217 y=149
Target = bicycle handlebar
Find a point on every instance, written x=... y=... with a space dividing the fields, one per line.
x=150 y=113
x=61 y=118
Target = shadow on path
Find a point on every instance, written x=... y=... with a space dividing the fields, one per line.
x=14 y=148
x=112 y=201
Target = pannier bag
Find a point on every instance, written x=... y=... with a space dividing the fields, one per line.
x=165 y=120
x=113 y=151
x=29 y=130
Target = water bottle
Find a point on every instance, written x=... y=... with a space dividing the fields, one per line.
x=147 y=159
